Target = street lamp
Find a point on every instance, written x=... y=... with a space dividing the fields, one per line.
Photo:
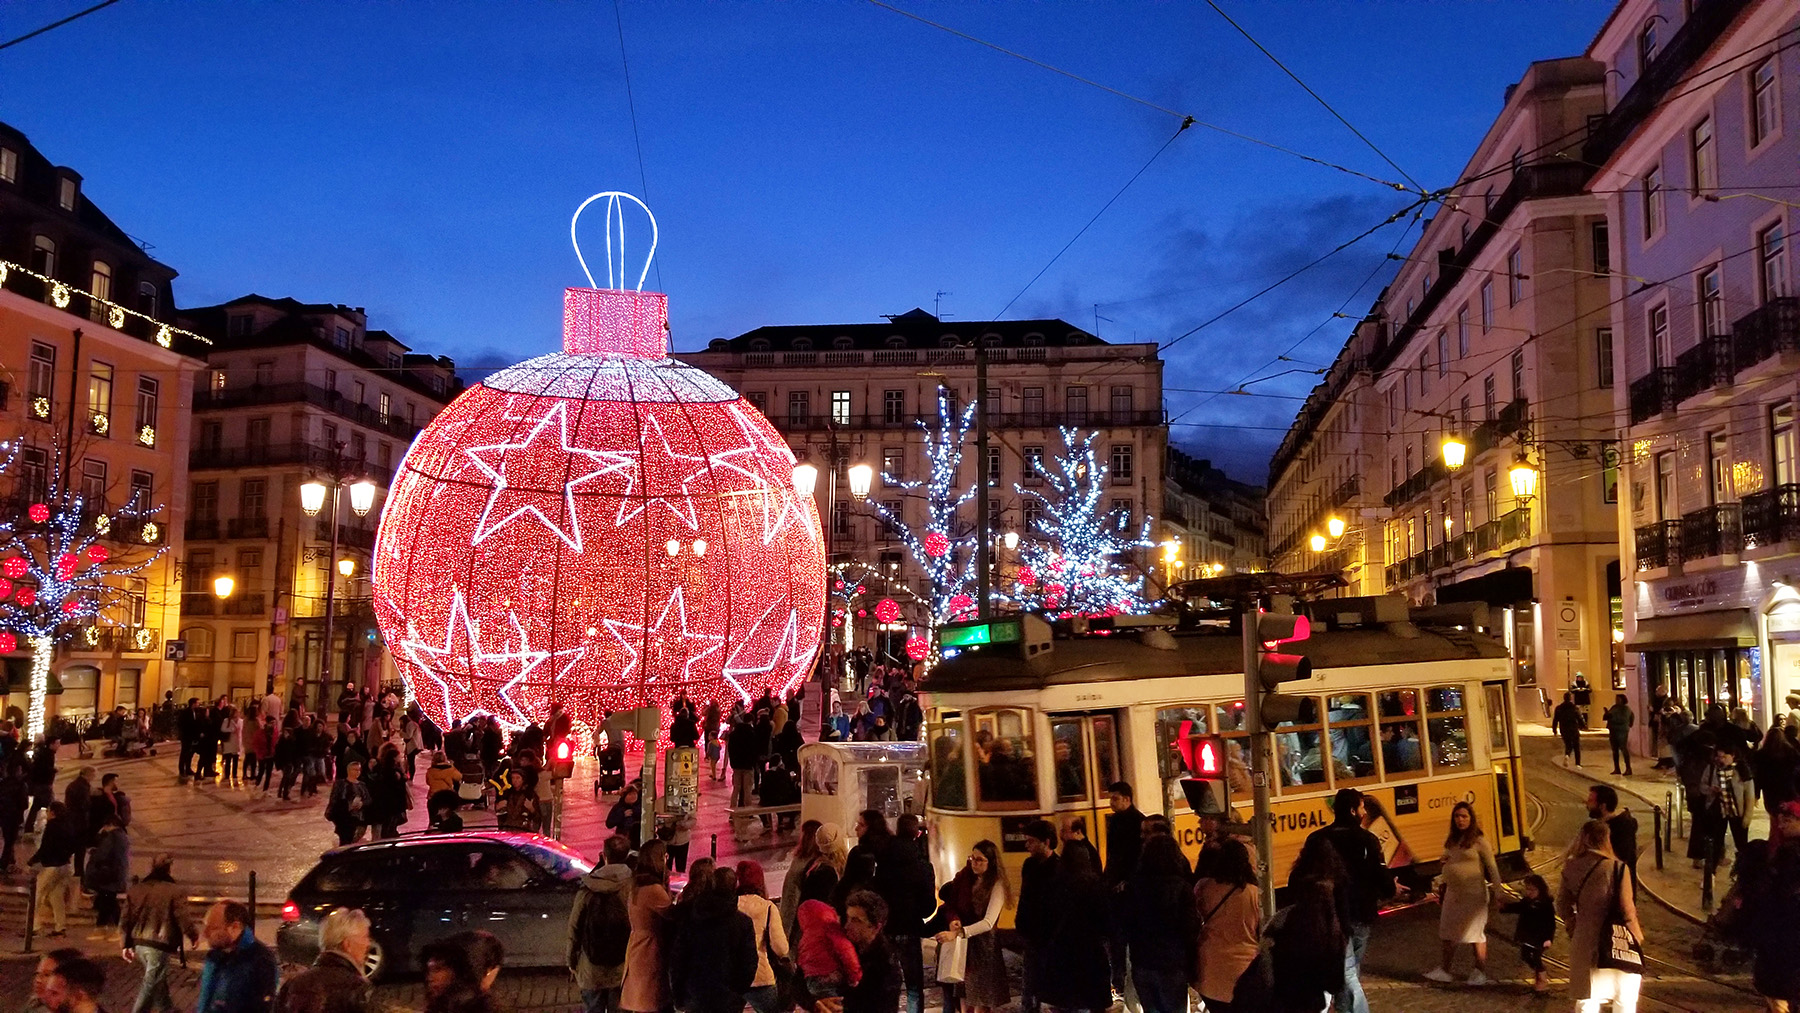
x=806 y=479
x=861 y=477
x=222 y=586
x=1523 y=478
x=1317 y=542
x=1334 y=526
x=1455 y=452
x=346 y=566
x=312 y=500
x=1010 y=540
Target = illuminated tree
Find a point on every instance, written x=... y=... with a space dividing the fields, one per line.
x=1077 y=559
x=57 y=572
x=944 y=548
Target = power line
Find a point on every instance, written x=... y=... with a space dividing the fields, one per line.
x=78 y=15
x=1420 y=187
x=631 y=104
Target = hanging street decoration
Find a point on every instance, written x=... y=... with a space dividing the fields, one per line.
x=599 y=527
x=1082 y=553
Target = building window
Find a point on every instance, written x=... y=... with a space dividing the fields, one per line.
x=240 y=326
x=1781 y=442
x=43 y=256
x=1518 y=375
x=384 y=403
x=759 y=398
x=341 y=337
x=256 y=434
x=893 y=407
x=147 y=391
x=93 y=483
x=1764 y=116
x=1443 y=351
x=1602 y=242
x=1771 y=256
x=840 y=518
x=9 y=165
x=100 y=286
x=205 y=506
x=1034 y=464
x=66 y=192
x=384 y=457
x=141 y=485
x=359 y=446
x=1718 y=464
x=892 y=515
x=1487 y=397
x=1462 y=413
x=147 y=301
x=1393 y=400
x=1667 y=505
x=1490 y=490
x=1033 y=512
x=1661 y=354
x=993 y=466
x=1703 y=161
x=1462 y=333
x=1603 y=356
x=1121 y=462
x=840 y=407
x=42 y=382
x=1711 y=298
x=893 y=465
x=34 y=463
x=1077 y=405
x=265 y=374
x=1646 y=45
x=253 y=498
x=243 y=645
x=1031 y=402
x=799 y=407
x=1425 y=286
x=1652 y=198
x=1120 y=514
x=100 y=390
x=1423 y=371
x=1122 y=407
x=1515 y=277
x=1487 y=306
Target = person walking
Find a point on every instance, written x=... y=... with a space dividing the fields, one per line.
x=155 y=922
x=348 y=804
x=110 y=802
x=107 y=876
x=1567 y=721
x=905 y=882
x=240 y=973
x=389 y=798
x=820 y=879
x=627 y=814
x=75 y=986
x=600 y=928
x=1035 y=916
x=645 y=986
x=1467 y=871
x=715 y=955
x=1306 y=956
x=1619 y=720
x=55 y=877
x=231 y=745
x=1594 y=886
x=1621 y=826
x=772 y=946
x=1775 y=762
x=973 y=901
x=1368 y=882
x=805 y=850
x=15 y=798
x=1771 y=917
x=77 y=795
x=878 y=990
x=1229 y=905
x=1159 y=912
x=335 y=982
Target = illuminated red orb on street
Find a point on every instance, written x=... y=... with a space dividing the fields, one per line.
x=600 y=527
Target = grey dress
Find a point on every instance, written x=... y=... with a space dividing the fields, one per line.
x=1466 y=873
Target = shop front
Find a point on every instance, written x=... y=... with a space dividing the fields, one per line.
x=1702 y=639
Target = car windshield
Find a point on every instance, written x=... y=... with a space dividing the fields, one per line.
x=558 y=859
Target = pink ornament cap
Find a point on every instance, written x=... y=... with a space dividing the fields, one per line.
x=607 y=321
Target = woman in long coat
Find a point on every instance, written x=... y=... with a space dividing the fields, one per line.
x=1229 y=904
x=646 y=988
x=1465 y=892
x=1589 y=881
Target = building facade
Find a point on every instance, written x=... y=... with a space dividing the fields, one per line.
x=96 y=378
x=1493 y=336
x=292 y=392
x=860 y=392
x=1210 y=524
x=1697 y=158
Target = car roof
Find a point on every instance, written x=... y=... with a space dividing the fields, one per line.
x=507 y=838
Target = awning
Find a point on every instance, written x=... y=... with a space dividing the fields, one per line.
x=1501 y=588
x=1724 y=628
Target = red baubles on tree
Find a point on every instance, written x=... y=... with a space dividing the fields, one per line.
x=8 y=642
x=600 y=527
x=38 y=512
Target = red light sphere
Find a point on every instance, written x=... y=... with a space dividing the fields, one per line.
x=38 y=512
x=917 y=648
x=97 y=554
x=8 y=642
x=887 y=610
x=6 y=587
x=936 y=544
x=522 y=557
x=26 y=596
x=1027 y=575
x=66 y=565
x=14 y=567
x=70 y=606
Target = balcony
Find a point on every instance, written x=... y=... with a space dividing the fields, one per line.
x=122 y=639
x=247 y=527
x=306 y=393
x=1514 y=416
x=1652 y=394
x=1705 y=366
x=1771 y=516
x=1702 y=27
x=1658 y=545
x=202 y=529
x=806 y=422
x=1712 y=531
x=199 y=603
x=1515 y=525
x=1766 y=332
x=1415 y=485
x=350 y=536
x=249 y=604
x=205 y=457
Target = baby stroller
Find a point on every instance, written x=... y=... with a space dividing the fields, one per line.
x=472 y=789
x=610 y=775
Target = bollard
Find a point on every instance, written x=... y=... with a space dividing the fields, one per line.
x=715 y=847
x=30 y=915
x=252 y=900
x=1657 y=812
x=1706 y=886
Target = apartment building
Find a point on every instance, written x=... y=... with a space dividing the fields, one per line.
x=1492 y=337
x=1696 y=165
x=292 y=392
x=96 y=377
x=859 y=391
x=1210 y=524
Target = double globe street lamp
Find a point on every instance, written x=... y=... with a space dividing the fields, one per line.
x=312 y=500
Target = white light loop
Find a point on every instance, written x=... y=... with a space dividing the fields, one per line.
x=614 y=213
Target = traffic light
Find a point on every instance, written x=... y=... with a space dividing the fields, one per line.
x=1208 y=793
x=562 y=759
x=1274 y=668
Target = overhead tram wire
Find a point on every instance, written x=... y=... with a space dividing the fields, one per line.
x=1185 y=117
x=636 y=139
x=78 y=15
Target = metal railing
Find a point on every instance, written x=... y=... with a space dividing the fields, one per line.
x=1712 y=531
x=323 y=397
x=1771 y=516
x=1652 y=394
x=1658 y=544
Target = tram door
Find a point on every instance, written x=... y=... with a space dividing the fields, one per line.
x=1503 y=758
x=1084 y=755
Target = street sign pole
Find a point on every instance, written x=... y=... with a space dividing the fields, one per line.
x=1260 y=763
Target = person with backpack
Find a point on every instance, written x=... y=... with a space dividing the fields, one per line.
x=600 y=927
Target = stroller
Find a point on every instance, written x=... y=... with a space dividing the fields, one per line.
x=472 y=789
x=610 y=777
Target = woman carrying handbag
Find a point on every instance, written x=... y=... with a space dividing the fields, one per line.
x=1605 y=941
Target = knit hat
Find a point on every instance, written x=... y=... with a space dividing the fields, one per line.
x=829 y=839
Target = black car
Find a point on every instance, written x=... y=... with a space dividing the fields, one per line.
x=423 y=887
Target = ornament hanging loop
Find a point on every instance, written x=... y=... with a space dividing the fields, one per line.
x=615 y=222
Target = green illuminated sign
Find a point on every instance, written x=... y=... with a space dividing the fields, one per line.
x=1005 y=631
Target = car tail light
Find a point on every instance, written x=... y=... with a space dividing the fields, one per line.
x=290 y=912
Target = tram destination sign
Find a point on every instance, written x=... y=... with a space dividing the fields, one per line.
x=998 y=631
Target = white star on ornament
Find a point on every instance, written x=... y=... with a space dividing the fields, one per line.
x=659 y=634
x=630 y=506
x=778 y=502
x=787 y=648
x=521 y=501
x=470 y=657
x=574 y=655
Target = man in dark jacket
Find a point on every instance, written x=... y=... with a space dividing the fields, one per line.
x=240 y=973
x=335 y=982
x=56 y=849
x=744 y=755
x=1371 y=882
x=1036 y=915
x=1621 y=826
x=905 y=883
x=597 y=942
x=714 y=958
x=878 y=991
x=1124 y=842
x=187 y=730
x=153 y=926
x=77 y=796
x=1567 y=722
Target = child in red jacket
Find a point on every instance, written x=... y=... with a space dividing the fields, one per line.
x=827 y=957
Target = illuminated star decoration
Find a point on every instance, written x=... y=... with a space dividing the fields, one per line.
x=512 y=501
x=574 y=654
x=786 y=650
x=683 y=646
x=777 y=507
x=630 y=506
x=441 y=664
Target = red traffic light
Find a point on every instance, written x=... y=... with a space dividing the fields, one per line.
x=562 y=749
x=1281 y=628
x=1209 y=764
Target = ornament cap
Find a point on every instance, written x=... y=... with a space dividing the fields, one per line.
x=605 y=321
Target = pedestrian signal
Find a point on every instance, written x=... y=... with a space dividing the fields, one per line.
x=562 y=759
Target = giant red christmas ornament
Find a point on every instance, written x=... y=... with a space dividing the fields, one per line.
x=599 y=527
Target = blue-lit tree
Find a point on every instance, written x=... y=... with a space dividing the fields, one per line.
x=1077 y=559
x=943 y=547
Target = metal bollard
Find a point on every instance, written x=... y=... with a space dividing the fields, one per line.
x=1706 y=886
x=715 y=847
x=30 y=914
x=1657 y=812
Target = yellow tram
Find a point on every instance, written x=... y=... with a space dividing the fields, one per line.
x=1417 y=716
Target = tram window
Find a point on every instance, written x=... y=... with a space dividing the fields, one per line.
x=1300 y=747
x=1231 y=718
x=1400 y=737
x=1006 y=765
x=1106 y=748
x=1176 y=729
x=1447 y=724
x=949 y=766
x=1496 y=708
x=1071 y=772
x=1351 y=726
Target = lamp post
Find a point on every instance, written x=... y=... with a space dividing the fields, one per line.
x=223 y=586
x=312 y=500
x=1455 y=452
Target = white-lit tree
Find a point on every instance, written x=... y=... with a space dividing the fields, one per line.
x=943 y=546
x=57 y=572
x=1078 y=557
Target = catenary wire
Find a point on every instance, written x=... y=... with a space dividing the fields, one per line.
x=637 y=140
x=78 y=15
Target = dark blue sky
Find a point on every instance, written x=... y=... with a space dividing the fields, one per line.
x=808 y=162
